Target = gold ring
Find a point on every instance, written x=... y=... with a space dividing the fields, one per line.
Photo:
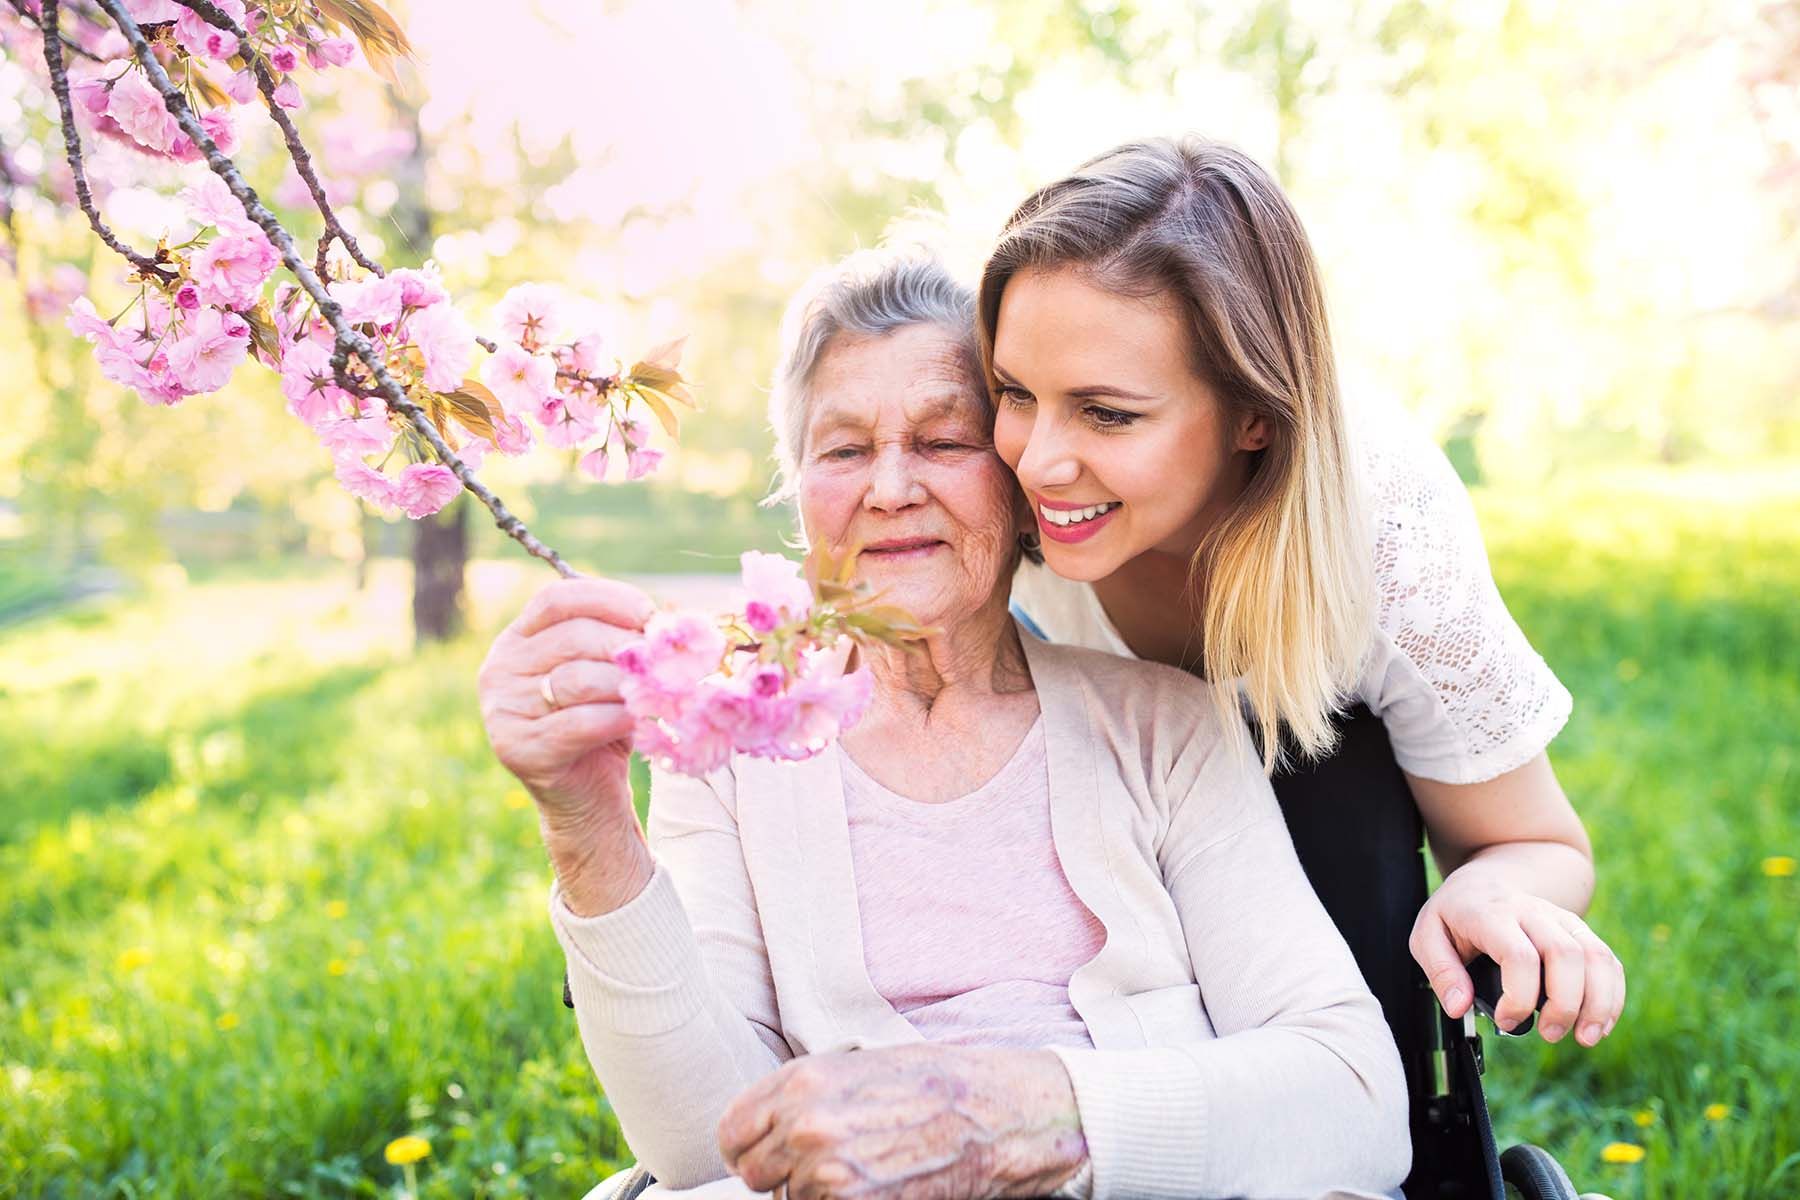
x=546 y=692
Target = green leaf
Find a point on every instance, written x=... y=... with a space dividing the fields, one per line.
x=658 y=403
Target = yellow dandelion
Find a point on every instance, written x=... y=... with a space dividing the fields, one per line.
x=337 y=910
x=135 y=957
x=227 y=1022
x=337 y=966
x=1778 y=866
x=517 y=799
x=1621 y=1153
x=1717 y=1112
x=1643 y=1118
x=404 y=1151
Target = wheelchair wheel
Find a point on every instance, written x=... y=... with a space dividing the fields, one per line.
x=1530 y=1173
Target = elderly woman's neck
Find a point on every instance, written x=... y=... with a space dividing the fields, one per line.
x=978 y=657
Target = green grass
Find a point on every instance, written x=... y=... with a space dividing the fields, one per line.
x=266 y=900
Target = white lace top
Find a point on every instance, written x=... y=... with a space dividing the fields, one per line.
x=1462 y=693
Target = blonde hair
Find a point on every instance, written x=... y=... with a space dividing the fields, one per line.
x=1285 y=577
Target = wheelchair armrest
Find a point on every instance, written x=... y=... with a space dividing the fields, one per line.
x=1486 y=974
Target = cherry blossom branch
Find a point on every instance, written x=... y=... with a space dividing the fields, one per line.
x=347 y=339
x=59 y=84
x=265 y=83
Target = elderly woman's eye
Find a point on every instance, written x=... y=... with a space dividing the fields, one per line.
x=841 y=452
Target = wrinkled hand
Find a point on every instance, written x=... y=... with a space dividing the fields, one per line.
x=573 y=758
x=1473 y=914
x=930 y=1122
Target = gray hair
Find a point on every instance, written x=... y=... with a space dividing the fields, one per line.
x=868 y=293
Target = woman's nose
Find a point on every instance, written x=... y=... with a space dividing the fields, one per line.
x=1047 y=461
x=893 y=481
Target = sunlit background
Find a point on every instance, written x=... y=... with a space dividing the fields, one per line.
x=266 y=899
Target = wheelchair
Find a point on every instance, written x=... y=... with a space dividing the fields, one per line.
x=1361 y=839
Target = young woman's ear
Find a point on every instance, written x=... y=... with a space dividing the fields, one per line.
x=1252 y=431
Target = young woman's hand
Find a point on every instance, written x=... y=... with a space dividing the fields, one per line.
x=926 y=1120
x=1474 y=912
x=550 y=701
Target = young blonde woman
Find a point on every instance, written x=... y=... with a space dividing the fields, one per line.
x=1156 y=338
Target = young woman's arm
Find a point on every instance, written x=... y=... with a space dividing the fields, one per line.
x=1517 y=870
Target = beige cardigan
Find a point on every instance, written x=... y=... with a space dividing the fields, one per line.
x=1236 y=1050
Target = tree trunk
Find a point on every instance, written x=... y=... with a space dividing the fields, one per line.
x=440 y=549
x=440 y=552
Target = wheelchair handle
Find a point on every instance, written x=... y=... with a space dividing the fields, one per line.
x=1486 y=974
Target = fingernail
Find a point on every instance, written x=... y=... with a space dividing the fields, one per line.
x=1607 y=1032
x=1552 y=1031
x=1453 y=999
x=1590 y=1033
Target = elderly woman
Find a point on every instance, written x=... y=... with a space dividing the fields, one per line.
x=1034 y=926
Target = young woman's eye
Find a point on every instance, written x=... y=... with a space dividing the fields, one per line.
x=1013 y=397
x=1109 y=418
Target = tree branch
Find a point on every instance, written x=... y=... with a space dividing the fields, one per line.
x=59 y=83
x=265 y=83
x=348 y=339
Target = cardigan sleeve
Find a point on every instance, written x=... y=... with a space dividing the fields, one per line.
x=1302 y=1091
x=677 y=1016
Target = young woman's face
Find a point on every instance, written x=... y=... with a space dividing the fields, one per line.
x=1121 y=448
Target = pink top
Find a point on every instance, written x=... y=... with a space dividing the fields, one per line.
x=969 y=927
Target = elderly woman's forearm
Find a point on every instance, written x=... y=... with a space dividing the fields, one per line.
x=598 y=869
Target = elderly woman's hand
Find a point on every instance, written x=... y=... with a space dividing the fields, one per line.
x=926 y=1121
x=550 y=700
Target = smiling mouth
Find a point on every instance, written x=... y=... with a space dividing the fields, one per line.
x=905 y=547
x=1077 y=516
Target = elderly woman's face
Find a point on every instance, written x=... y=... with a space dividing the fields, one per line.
x=897 y=457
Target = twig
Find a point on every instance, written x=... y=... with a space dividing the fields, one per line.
x=348 y=339
x=69 y=43
x=265 y=83
x=59 y=83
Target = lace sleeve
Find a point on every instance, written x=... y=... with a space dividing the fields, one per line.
x=1463 y=694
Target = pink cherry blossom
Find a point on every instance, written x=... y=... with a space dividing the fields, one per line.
x=374 y=299
x=419 y=289
x=773 y=586
x=424 y=488
x=641 y=461
x=583 y=354
x=594 y=464
x=153 y=12
x=187 y=297
x=210 y=202
x=683 y=648
x=357 y=436
x=520 y=379
x=446 y=341
x=530 y=314
x=331 y=52
x=92 y=96
x=569 y=420
x=512 y=436
x=284 y=58
x=215 y=343
x=232 y=268
x=308 y=383
x=138 y=109
x=241 y=87
x=287 y=94
x=198 y=37
x=363 y=481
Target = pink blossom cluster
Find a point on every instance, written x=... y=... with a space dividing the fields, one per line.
x=700 y=693
x=536 y=369
x=119 y=101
